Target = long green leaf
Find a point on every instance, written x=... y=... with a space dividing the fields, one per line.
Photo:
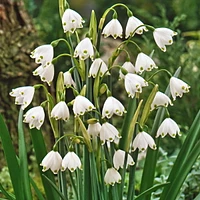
x=11 y=159
x=151 y=157
x=23 y=163
x=37 y=191
x=197 y=197
x=6 y=194
x=40 y=153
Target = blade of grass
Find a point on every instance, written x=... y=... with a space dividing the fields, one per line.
x=37 y=191
x=40 y=153
x=23 y=163
x=6 y=194
x=11 y=159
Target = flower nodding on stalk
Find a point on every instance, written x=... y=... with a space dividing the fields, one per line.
x=71 y=20
x=129 y=67
x=168 y=126
x=142 y=141
x=23 y=95
x=112 y=176
x=52 y=161
x=178 y=87
x=68 y=81
x=34 y=117
x=163 y=36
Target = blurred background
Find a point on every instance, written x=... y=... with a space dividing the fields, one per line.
x=38 y=22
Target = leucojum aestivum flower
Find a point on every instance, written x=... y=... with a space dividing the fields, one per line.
x=95 y=158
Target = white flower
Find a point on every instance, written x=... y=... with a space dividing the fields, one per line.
x=84 y=49
x=43 y=54
x=94 y=129
x=68 y=81
x=118 y=159
x=112 y=106
x=160 y=99
x=46 y=72
x=112 y=176
x=71 y=20
x=133 y=84
x=178 y=87
x=52 y=161
x=108 y=132
x=35 y=117
x=132 y=26
x=142 y=141
x=144 y=63
x=97 y=64
x=163 y=36
x=60 y=111
x=82 y=105
x=23 y=95
x=71 y=161
x=129 y=67
x=113 y=28
x=168 y=126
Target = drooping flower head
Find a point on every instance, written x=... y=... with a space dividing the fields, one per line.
x=68 y=81
x=23 y=95
x=71 y=20
x=112 y=176
x=168 y=126
x=160 y=99
x=163 y=36
x=132 y=26
x=60 y=111
x=94 y=129
x=144 y=63
x=178 y=87
x=82 y=105
x=46 y=72
x=142 y=141
x=52 y=161
x=71 y=161
x=118 y=159
x=43 y=54
x=84 y=49
x=134 y=84
x=127 y=66
x=98 y=65
x=108 y=132
x=112 y=106
x=113 y=28
x=34 y=117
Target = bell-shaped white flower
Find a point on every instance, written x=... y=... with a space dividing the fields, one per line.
x=23 y=95
x=34 y=117
x=60 y=111
x=144 y=63
x=82 y=105
x=84 y=49
x=132 y=26
x=71 y=20
x=178 y=87
x=142 y=141
x=168 y=126
x=68 y=81
x=113 y=28
x=46 y=73
x=108 y=132
x=163 y=36
x=98 y=65
x=118 y=159
x=134 y=84
x=129 y=67
x=52 y=161
x=43 y=54
x=94 y=129
x=160 y=99
x=112 y=176
x=112 y=106
x=71 y=161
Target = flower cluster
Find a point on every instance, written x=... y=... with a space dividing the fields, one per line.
x=88 y=79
